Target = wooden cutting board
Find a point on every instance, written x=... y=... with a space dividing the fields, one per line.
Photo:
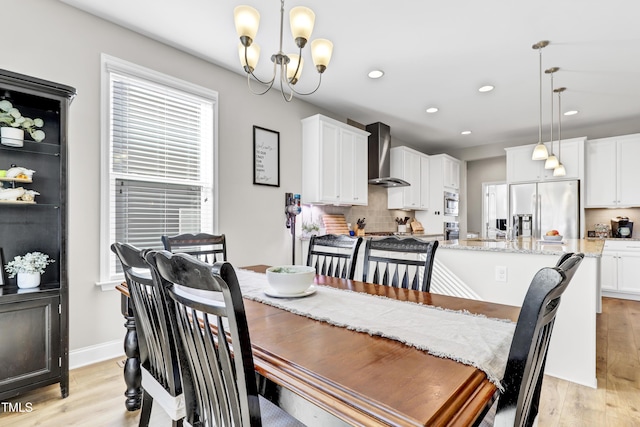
x=335 y=224
x=416 y=227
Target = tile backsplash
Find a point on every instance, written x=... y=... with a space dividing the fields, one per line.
x=603 y=216
x=378 y=217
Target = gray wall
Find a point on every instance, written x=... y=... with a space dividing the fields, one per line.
x=56 y=42
x=478 y=171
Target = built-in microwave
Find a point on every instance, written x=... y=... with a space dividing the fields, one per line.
x=451 y=201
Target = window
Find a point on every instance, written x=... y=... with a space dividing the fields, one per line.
x=159 y=157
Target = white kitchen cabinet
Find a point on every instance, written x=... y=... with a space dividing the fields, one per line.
x=612 y=172
x=424 y=181
x=407 y=164
x=444 y=175
x=334 y=162
x=520 y=167
x=620 y=269
x=451 y=172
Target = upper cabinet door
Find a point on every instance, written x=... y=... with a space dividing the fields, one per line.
x=451 y=173
x=601 y=160
x=360 y=170
x=347 y=177
x=329 y=166
x=424 y=182
x=612 y=172
x=520 y=167
x=629 y=172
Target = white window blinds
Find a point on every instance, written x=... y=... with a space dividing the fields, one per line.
x=161 y=161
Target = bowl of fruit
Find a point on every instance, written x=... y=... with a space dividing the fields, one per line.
x=552 y=236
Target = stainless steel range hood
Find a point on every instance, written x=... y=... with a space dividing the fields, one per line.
x=380 y=157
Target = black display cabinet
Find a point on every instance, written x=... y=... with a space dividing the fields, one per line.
x=34 y=323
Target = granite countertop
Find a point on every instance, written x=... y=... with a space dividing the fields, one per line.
x=527 y=245
x=380 y=234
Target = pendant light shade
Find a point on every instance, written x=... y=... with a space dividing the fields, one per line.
x=540 y=151
x=247 y=20
x=301 y=20
x=551 y=162
x=559 y=170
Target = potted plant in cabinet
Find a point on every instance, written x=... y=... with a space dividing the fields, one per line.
x=13 y=125
x=28 y=268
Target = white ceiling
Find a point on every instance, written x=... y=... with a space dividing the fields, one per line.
x=433 y=54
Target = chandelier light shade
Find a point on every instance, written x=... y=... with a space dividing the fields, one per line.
x=247 y=21
x=540 y=150
x=552 y=160
x=289 y=66
x=301 y=20
x=559 y=170
x=321 y=50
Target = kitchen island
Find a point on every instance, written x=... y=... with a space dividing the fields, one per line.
x=501 y=272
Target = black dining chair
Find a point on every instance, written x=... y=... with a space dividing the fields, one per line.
x=334 y=255
x=209 y=248
x=216 y=362
x=159 y=363
x=401 y=263
x=518 y=404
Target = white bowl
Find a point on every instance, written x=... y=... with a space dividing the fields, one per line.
x=556 y=238
x=290 y=279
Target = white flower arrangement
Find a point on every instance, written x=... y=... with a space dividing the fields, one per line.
x=32 y=262
x=11 y=116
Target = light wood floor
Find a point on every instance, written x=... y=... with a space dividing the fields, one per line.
x=96 y=391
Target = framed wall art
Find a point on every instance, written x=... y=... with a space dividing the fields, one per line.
x=266 y=157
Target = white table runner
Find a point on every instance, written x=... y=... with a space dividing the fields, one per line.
x=462 y=336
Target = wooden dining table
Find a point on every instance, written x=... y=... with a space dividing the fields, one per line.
x=361 y=379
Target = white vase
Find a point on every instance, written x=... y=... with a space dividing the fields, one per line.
x=402 y=228
x=28 y=280
x=13 y=137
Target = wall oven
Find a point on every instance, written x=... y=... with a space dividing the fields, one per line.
x=451 y=201
x=451 y=231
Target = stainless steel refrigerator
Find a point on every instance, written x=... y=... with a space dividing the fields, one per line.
x=552 y=206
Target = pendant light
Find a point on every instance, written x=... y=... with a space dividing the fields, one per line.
x=552 y=160
x=540 y=151
x=559 y=170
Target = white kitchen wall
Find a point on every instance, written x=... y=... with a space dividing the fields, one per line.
x=56 y=42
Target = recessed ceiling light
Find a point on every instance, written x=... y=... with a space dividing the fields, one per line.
x=432 y=110
x=487 y=88
x=465 y=132
x=571 y=113
x=376 y=74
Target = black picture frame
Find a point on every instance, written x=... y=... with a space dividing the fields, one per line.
x=266 y=157
x=3 y=274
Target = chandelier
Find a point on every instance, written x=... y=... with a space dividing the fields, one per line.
x=540 y=151
x=301 y=19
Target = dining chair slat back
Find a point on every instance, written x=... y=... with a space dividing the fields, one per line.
x=402 y=263
x=208 y=248
x=214 y=348
x=518 y=404
x=334 y=255
x=160 y=372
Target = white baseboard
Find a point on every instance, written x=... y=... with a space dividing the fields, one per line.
x=95 y=353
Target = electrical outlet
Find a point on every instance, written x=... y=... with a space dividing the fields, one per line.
x=501 y=273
